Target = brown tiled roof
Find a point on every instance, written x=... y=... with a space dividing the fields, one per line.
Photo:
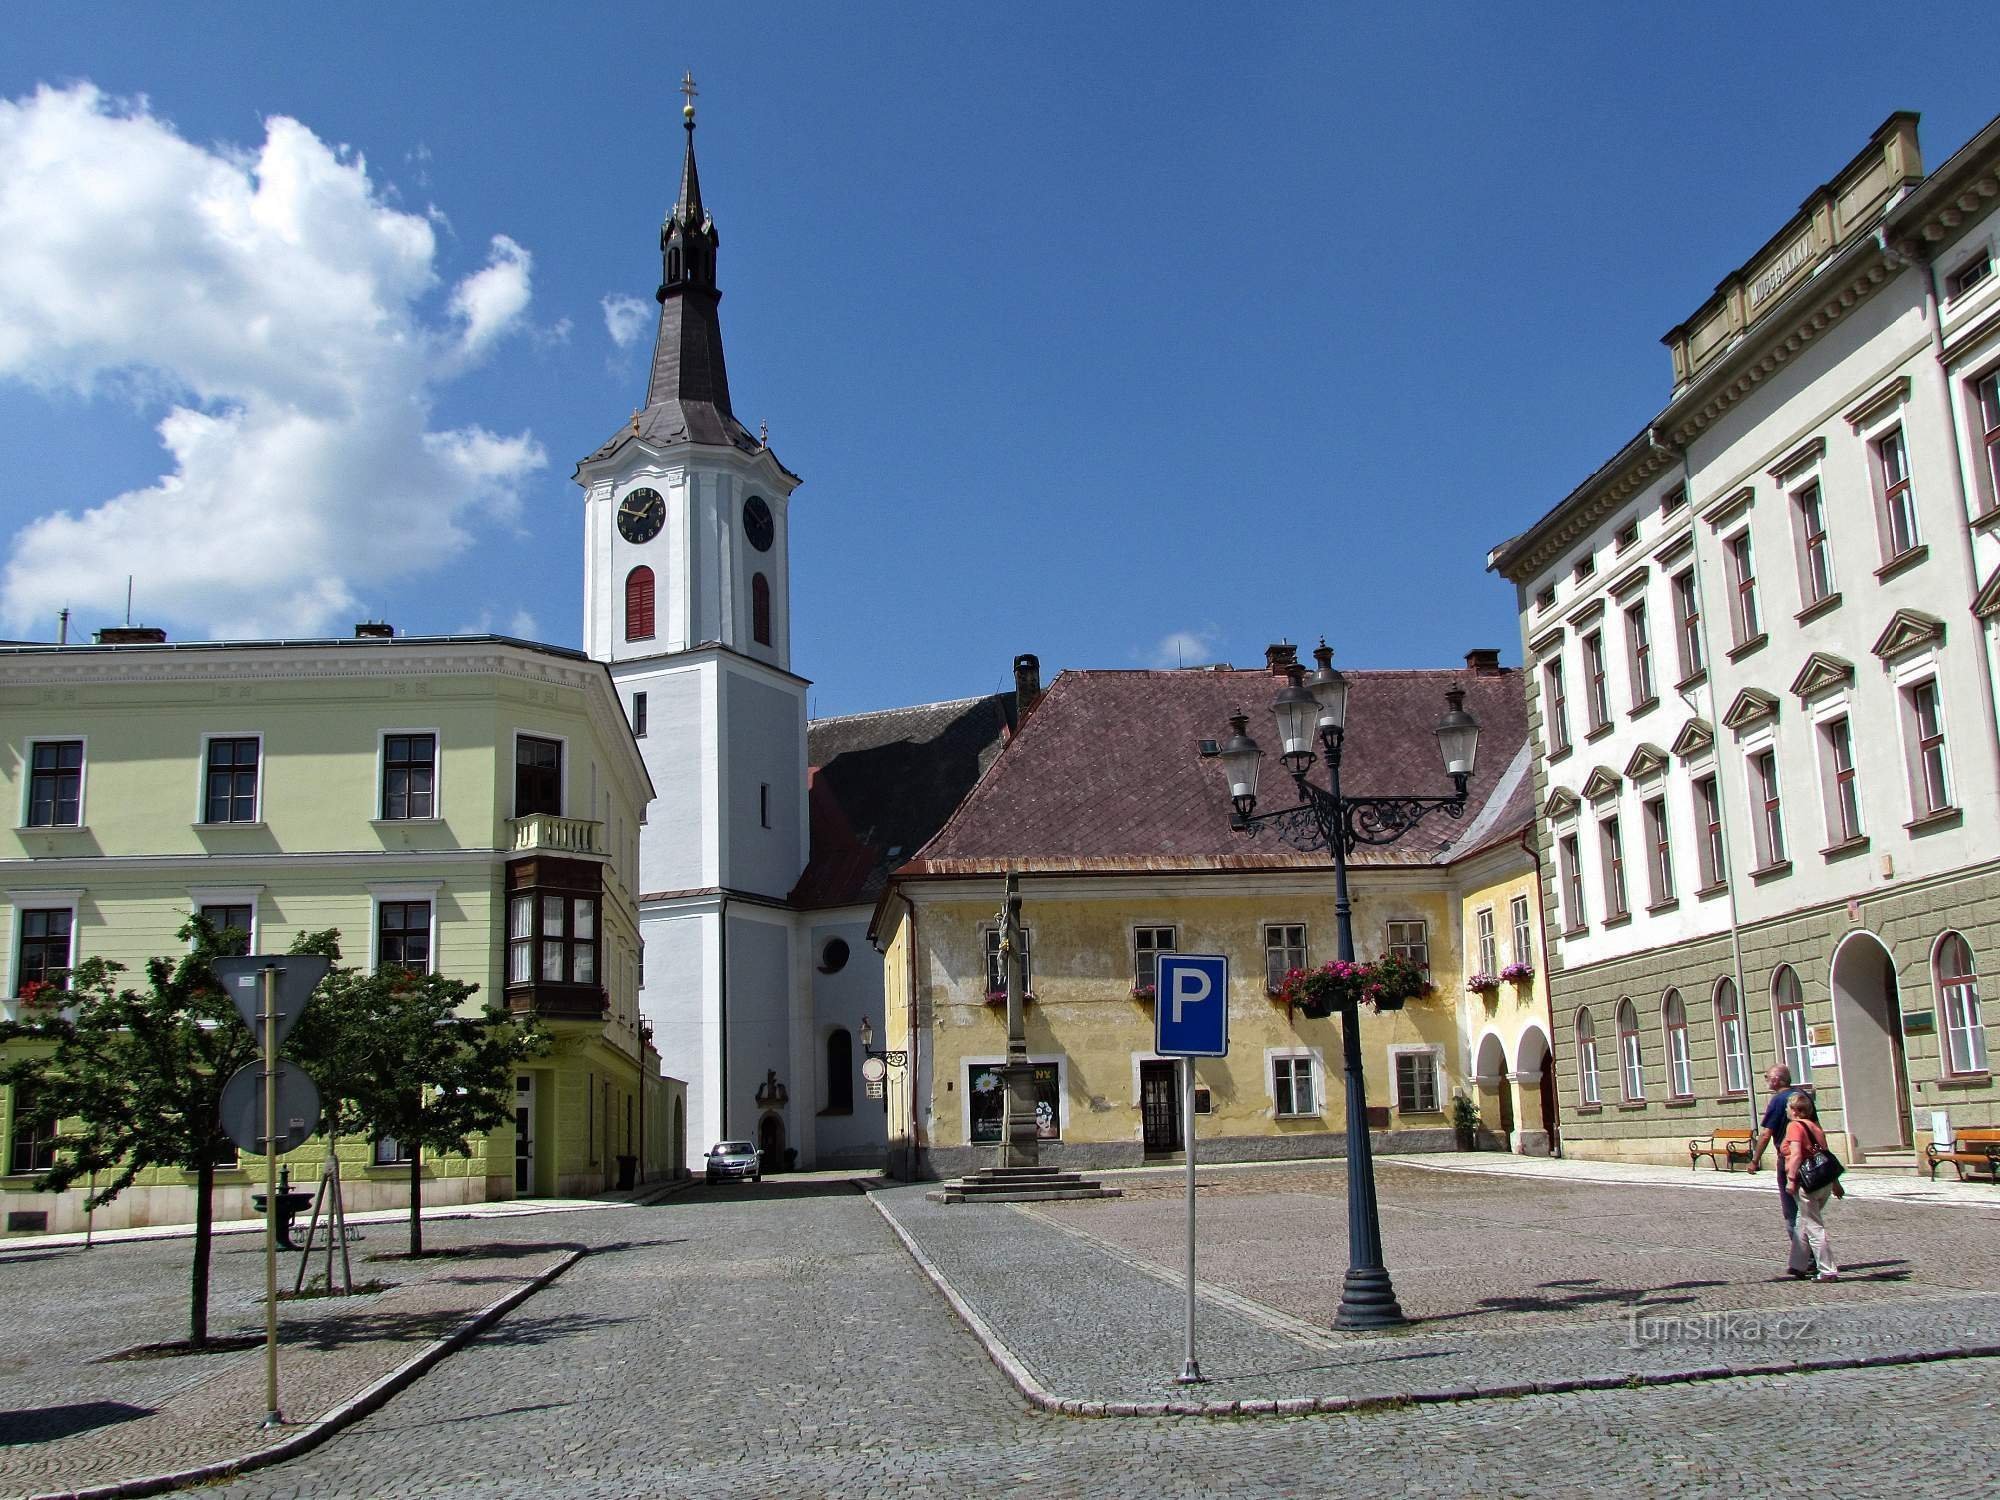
x=1107 y=774
x=881 y=784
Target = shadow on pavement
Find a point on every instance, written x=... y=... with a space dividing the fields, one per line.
x=45 y=1424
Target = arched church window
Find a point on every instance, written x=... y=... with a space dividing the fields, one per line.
x=839 y=1072
x=639 y=604
x=760 y=609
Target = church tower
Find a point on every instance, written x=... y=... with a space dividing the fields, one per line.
x=687 y=597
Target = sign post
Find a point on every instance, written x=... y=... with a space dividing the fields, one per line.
x=1190 y=1020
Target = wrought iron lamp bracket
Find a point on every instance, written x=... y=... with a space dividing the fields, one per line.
x=1312 y=825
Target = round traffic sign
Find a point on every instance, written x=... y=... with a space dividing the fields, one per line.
x=243 y=1107
x=873 y=1070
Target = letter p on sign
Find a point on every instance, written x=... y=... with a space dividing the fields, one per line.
x=1191 y=1010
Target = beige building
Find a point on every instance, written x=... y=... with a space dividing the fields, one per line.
x=1760 y=656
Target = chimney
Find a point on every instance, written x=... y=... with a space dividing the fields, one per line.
x=374 y=630
x=130 y=635
x=1483 y=661
x=1027 y=685
x=1280 y=658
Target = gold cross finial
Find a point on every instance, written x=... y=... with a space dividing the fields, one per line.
x=688 y=91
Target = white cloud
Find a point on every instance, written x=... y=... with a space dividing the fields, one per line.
x=524 y=625
x=1181 y=648
x=625 y=319
x=270 y=299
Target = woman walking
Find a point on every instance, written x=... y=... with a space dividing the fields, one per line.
x=1803 y=1140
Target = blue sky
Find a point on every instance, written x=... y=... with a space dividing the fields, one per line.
x=1122 y=334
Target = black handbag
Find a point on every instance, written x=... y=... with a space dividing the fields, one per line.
x=1821 y=1169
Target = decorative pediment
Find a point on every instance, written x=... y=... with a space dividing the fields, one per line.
x=1907 y=630
x=1822 y=673
x=1986 y=603
x=1697 y=738
x=1752 y=706
x=1807 y=453
x=1604 y=782
x=1561 y=804
x=1729 y=507
x=1878 y=404
x=1647 y=760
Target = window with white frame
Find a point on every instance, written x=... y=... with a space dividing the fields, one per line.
x=1687 y=623
x=409 y=777
x=55 y=784
x=1639 y=652
x=1148 y=943
x=1417 y=1082
x=1985 y=421
x=1489 y=941
x=1899 y=500
x=1815 y=550
x=1555 y=705
x=1732 y=1041
x=996 y=962
x=1524 y=931
x=1611 y=850
x=230 y=792
x=1575 y=916
x=1673 y=500
x=1768 y=820
x=1746 y=622
x=1788 y=1011
x=1674 y=1028
x=551 y=938
x=390 y=1152
x=1410 y=939
x=1597 y=685
x=1586 y=1058
x=1836 y=770
x=1284 y=951
x=1659 y=852
x=1292 y=1086
x=1923 y=737
x=1708 y=831
x=1958 y=1003
x=1631 y=1057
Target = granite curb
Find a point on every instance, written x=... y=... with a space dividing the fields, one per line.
x=325 y=1426
x=1041 y=1397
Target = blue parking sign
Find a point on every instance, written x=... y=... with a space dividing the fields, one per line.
x=1191 y=1005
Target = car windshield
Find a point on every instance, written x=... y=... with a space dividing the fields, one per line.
x=732 y=1148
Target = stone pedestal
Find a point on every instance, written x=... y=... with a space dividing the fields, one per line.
x=1019 y=1185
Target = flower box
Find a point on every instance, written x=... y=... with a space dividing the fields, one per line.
x=1518 y=973
x=1145 y=994
x=1483 y=984
x=1386 y=984
x=998 y=998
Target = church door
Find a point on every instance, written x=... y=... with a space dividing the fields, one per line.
x=1160 y=1106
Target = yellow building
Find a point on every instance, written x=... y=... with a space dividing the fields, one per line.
x=1507 y=1020
x=1118 y=828
x=470 y=805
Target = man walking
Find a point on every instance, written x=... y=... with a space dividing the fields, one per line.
x=1779 y=1081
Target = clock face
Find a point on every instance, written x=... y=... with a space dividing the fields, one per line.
x=757 y=523
x=641 y=516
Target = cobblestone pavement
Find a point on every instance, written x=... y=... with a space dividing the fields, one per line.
x=773 y=1342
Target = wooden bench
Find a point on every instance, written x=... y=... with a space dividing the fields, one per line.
x=1723 y=1148
x=1977 y=1146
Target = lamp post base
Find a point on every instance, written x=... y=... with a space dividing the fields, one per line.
x=1190 y=1375
x=1368 y=1300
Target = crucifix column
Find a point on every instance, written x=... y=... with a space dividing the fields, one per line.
x=1020 y=1136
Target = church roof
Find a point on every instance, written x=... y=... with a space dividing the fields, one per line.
x=881 y=784
x=1107 y=775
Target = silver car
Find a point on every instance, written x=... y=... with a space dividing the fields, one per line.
x=737 y=1159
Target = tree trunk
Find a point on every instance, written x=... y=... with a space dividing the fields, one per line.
x=416 y=1201
x=204 y=1218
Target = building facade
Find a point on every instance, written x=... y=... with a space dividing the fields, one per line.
x=464 y=805
x=1760 y=652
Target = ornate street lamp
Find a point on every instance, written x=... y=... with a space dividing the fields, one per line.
x=1314 y=706
x=894 y=1058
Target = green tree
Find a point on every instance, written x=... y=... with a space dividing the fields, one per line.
x=395 y=1054
x=135 y=1080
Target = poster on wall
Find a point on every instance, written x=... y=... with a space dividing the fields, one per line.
x=1823 y=1057
x=989 y=1101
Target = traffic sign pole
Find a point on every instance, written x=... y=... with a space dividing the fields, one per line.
x=1190 y=1020
x=269 y=995
x=1191 y=1369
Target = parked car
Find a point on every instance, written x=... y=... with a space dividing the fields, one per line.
x=738 y=1159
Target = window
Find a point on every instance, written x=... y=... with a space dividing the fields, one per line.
x=520 y=939
x=760 y=609
x=1575 y=916
x=403 y=936
x=1284 y=951
x=1769 y=823
x=639 y=604
x=1687 y=624
x=1815 y=552
x=1675 y=499
x=1730 y=1039
x=1836 y=766
x=1923 y=733
x=233 y=925
x=1489 y=944
x=1556 y=706
x=1708 y=830
x=1958 y=1003
x=1986 y=423
x=1674 y=1024
x=1148 y=943
x=409 y=776
x=1411 y=940
x=1788 y=1007
x=1973 y=273
x=55 y=784
x=1631 y=1058
x=1659 y=852
x=1743 y=616
x=1292 y=1085
x=638 y=716
x=996 y=969
x=43 y=956
x=1899 y=502
x=1546 y=599
x=232 y=781
x=839 y=1072
x=1597 y=699
x=1639 y=653
x=1524 y=934
x=1586 y=1058
x=1628 y=535
x=551 y=938
x=31 y=1144
x=1585 y=566
x=537 y=776
x=390 y=1152
x=1612 y=847
x=1417 y=1083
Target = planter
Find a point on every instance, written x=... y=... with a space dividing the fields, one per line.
x=1467 y=1139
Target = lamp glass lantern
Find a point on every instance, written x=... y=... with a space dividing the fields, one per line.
x=1329 y=690
x=1297 y=713
x=1240 y=759
x=1458 y=737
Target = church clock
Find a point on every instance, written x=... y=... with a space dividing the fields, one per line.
x=641 y=516
x=757 y=523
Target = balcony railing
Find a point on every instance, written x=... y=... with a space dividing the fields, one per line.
x=557 y=835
